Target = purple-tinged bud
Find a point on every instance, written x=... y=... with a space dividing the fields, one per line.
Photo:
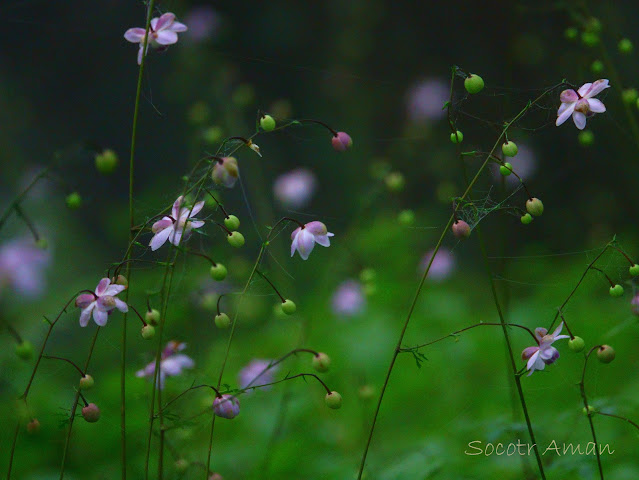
x=152 y=317
x=181 y=465
x=321 y=362
x=86 y=382
x=91 y=413
x=148 y=331
x=634 y=304
x=33 y=426
x=226 y=406
x=218 y=272
x=528 y=352
x=534 y=206
x=216 y=476
x=461 y=229
x=342 y=141
x=225 y=172
x=606 y=354
x=333 y=400
x=121 y=280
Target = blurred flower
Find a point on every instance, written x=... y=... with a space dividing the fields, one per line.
x=226 y=406
x=544 y=354
x=203 y=22
x=257 y=373
x=580 y=104
x=424 y=100
x=162 y=33
x=295 y=188
x=173 y=228
x=341 y=142
x=634 y=304
x=442 y=267
x=349 y=298
x=22 y=266
x=304 y=238
x=171 y=364
x=102 y=303
x=524 y=164
x=225 y=172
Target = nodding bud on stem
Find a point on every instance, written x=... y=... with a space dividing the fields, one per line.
x=121 y=280
x=225 y=171
x=341 y=142
x=86 y=382
x=461 y=229
x=474 y=83
x=148 y=331
x=333 y=400
x=289 y=307
x=106 y=162
x=226 y=406
x=235 y=239
x=634 y=270
x=534 y=206
x=606 y=354
x=152 y=317
x=526 y=219
x=321 y=362
x=457 y=137
x=232 y=222
x=91 y=413
x=33 y=426
x=222 y=320
x=576 y=344
x=74 y=201
x=509 y=148
x=616 y=291
x=24 y=350
x=218 y=272
x=267 y=123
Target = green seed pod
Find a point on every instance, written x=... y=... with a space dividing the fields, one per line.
x=86 y=382
x=106 y=162
x=534 y=206
x=616 y=291
x=526 y=219
x=152 y=317
x=457 y=137
x=576 y=344
x=606 y=354
x=509 y=148
x=232 y=222
x=506 y=169
x=218 y=272
x=289 y=307
x=267 y=123
x=222 y=320
x=148 y=332
x=321 y=362
x=474 y=83
x=236 y=239
x=333 y=400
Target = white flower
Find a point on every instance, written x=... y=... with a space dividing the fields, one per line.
x=543 y=354
x=102 y=303
x=171 y=364
x=162 y=33
x=180 y=224
x=304 y=238
x=581 y=104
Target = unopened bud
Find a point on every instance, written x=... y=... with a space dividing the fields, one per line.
x=218 y=272
x=86 y=382
x=152 y=317
x=341 y=142
x=534 y=206
x=289 y=307
x=91 y=413
x=606 y=354
x=148 y=331
x=232 y=222
x=321 y=362
x=222 y=320
x=226 y=406
x=461 y=229
x=333 y=400
x=235 y=239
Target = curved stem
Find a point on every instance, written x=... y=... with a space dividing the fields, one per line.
x=582 y=390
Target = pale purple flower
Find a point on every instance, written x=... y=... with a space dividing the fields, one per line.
x=634 y=304
x=225 y=171
x=349 y=299
x=424 y=100
x=226 y=406
x=544 y=353
x=22 y=266
x=203 y=22
x=257 y=373
x=171 y=364
x=178 y=225
x=304 y=238
x=581 y=104
x=443 y=264
x=101 y=303
x=162 y=33
x=295 y=188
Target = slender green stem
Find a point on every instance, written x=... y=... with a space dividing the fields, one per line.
x=582 y=390
x=16 y=201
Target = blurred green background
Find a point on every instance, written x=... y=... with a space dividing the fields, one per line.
x=381 y=72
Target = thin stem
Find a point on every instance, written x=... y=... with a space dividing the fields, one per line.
x=582 y=389
x=16 y=201
x=271 y=284
x=620 y=418
x=65 y=360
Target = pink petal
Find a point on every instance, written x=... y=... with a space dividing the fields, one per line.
x=196 y=209
x=323 y=240
x=584 y=89
x=176 y=207
x=161 y=224
x=176 y=238
x=565 y=114
x=178 y=27
x=305 y=243
x=100 y=317
x=84 y=300
x=548 y=353
x=295 y=232
x=528 y=352
x=596 y=105
x=166 y=37
x=114 y=289
x=597 y=88
x=163 y=22
x=579 y=119
x=134 y=35
x=316 y=228
x=140 y=53
x=568 y=96
x=160 y=238
x=120 y=305
x=294 y=243
x=86 y=314
x=196 y=223
x=102 y=286
x=540 y=333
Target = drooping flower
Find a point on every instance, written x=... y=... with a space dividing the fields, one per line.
x=304 y=238
x=295 y=188
x=101 y=303
x=544 y=353
x=348 y=299
x=171 y=364
x=162 y=33
x=177 y=226
x=443 y=264
x=257 y=373
x=581 y=104
x=226 y=406
x=225 y=171
x=22 y=266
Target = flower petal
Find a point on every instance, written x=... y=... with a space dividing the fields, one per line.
x=196 y=209
x=568 y=96
x=562 y=116
x=114 y=289
x=579 y=119
x=176 y=207
x=549 y=353
x=86 y=314
x=597 y=87
x=120 y=305
x=294 y=243
x=585 y=88
x=102 y=286
x=163 y=22
x=166 y=37
x=316 y=228
x=161 y=224
x=100 y=317
x=178 y=27
x=134 y=35
x=305 y=243
x=596 y=105
x=323 y=240
x=84 y=300
x=160 y=238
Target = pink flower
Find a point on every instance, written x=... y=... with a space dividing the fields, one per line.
x=257 y=372
x=348 y=299
x=178 y=225
x=22 y=266
x=634 y=304
x=341 y=142
x=204 y=23
x=162 y=33
x=442 y=266
x=304 y=238
x=581 y=104
x=226 y=406
x=424 y=100
x=295 y=188
x=225 y=172
x=102 y=303
x=543 y=354
x=171 y=363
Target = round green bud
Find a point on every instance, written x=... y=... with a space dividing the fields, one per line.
x=526 y=219
x=474 y=83
x=267 y=123
x=289 y=307
x=406 y=217
x=222 y=320
x=24 y=350
x=395 y=181
x=366 y=392
x=616 y=291
x=457 y=137
x=106 y=162
x=218 y=272
x=625 y=46
x=589 y=39
x=634 y=270
x=586 y=138
x=152 y=317
x=576 y=344
x=368 y=275
x=232 y=222
x=148 y=332
x=321 y=362
x=181 y=465
x=506 y=169
x=571 y=33
x=236 y=239
x=606 y=354
x=630 y=95
x=509 y=148
x=212 y=134
x=91 y=413
x=121 y=280
x=86 y=382
x=534 y=206
x=33 y=426
x=591 y=411
x=42 y=243
x=74 y=201
x=597 y=66
x=333 y=400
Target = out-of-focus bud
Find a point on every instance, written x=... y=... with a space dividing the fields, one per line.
x=106 y=162
x=333 y=400
x=33 y=426
x=321 y=362
x=225 y=171
x=91 y=413
x=341 y=142
x=24 y=350
x=226 y=406
x=86 y=382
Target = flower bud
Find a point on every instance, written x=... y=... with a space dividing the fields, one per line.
x=406 y=217
x=236 y=239
x=341 y=142
x=591 y=411
x=625 y=46
x=576 y=344
x=216 y=476
x=106 y=162
x=534 y=206
x=226 y=406
x=218 y=272
x=457 y=137
x=42 y=243
x=222 y=320
x=33 y=426
x=606 y=354
x=148 y=331
x=509 y=148
x=121 y=280
x=181 y=465
x=152 y=317
x=474 y=83
x=86 y=382
x=24 y=350
x=91 y=413
x=321 y=362
x=634 y=270
x=333 y=400
x=461 y=229
x=74 y=201
x=212 y=134
x=395 y=181
x=616 y=291
x=586 y=138
x=526 y=219
x=289 y=307
x=232 y=222
x=506 y=169
x=225 y=172
x=267 y=123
